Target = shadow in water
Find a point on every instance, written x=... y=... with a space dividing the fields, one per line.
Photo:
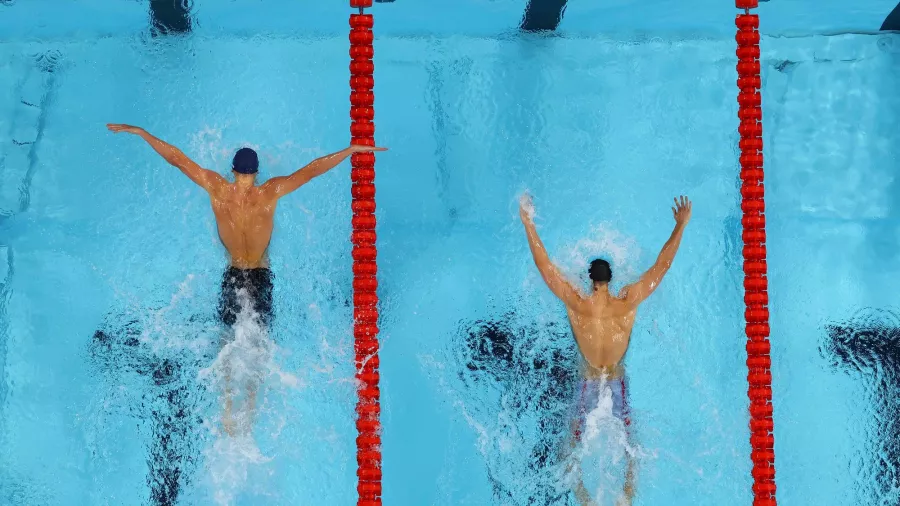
x=892 y=21
x=170 y=17
x=543 y=15
x=169 y=403
x=534 y=366
x=868 y=344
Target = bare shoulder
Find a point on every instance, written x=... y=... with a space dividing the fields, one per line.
x=581 y=304
x=271 y=186
x=215 y=181
x=270 y=192
x=217 y=177
x=626 y=295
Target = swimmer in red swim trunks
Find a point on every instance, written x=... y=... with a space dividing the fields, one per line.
x=602 y=323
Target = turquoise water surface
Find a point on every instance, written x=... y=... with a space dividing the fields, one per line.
x=109 y=375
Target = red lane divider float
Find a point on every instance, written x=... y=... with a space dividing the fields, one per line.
x=756 y=299
x=365 y=254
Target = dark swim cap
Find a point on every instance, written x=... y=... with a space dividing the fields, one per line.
x=245 y=161
x=600 y=271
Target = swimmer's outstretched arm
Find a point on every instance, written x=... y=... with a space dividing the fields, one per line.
x=283 y=185
x=556 y=281
x=639 y=291
x=203 y=177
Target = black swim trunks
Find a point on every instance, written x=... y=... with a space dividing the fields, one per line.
x=250 y=288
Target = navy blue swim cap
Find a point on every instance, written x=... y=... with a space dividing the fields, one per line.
x=245 y=161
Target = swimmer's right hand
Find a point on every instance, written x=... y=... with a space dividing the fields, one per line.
x=118 y=128
x=526 y=207
x=358 y=148
x=682 y=210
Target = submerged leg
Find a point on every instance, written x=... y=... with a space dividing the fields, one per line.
x=228 y=305
x=239 y=420
x=249 y=411
x=240 y=412
x=629 y=482
x=260 y=294
x=582 y=494
x=228 y=411
x=628 y=489
x=574 y=468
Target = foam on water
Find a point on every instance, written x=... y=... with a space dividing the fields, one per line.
x=603 y=241
x=206 y=358
x=600 y=458
x=161 y=330
x=246 y=370
x=210 y=148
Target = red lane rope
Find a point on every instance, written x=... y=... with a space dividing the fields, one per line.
x=365 y=253
x=756 y=299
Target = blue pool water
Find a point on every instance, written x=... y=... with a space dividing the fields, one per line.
x=109 y=362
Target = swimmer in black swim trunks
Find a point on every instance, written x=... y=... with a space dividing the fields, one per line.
x=246 y=296
x=245 y=214
x=256 y=286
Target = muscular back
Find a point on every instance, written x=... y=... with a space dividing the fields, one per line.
x=602 y=327
x=244 y=212
x=602 y=322
x=245 y=218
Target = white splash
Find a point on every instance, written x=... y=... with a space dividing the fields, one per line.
x=230 y=462
x=241 y=374
x=526 y=203
x=206 y=146
x=160 y=332
x=600 y=458
x=213 y=151
x=604 y=241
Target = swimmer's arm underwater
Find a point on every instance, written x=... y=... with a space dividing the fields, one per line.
x=639 y=291
x=282 y=185
x=556 y=281
x=203 y=177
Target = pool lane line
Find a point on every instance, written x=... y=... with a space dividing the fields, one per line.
x=756 y=299
x=365 y=254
